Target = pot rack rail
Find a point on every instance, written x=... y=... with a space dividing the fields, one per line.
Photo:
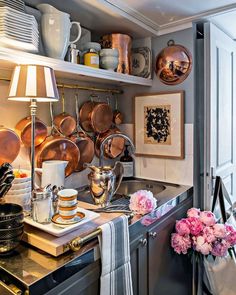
x=80 y=87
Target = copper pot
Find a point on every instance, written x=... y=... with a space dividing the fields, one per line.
x=10 y=145
x=58 y=148
x=123 y=43
x=173 y=64
x=65 y=123
x=83 y=141
x=23 y=129
x=95 y=116
x=113 y=148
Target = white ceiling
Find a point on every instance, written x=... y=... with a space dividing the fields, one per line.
x=155 y=16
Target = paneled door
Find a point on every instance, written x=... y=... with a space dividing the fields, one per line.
x=220 y=111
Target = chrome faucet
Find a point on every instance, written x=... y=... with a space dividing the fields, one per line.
x=101 y=158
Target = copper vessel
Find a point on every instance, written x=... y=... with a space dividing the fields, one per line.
x=113 y=148
x=65 y=123
x=23 y=129
x=173 y=64
x=95 y=116
x=9 y=145
x=123 y=43
x=83 y=141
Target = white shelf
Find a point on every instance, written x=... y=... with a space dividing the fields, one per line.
x=9 y=58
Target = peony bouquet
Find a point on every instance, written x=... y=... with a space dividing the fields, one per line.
x=200 y=232
x=142 y=202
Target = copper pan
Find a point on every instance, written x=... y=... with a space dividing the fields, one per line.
x=173 y=64
x=113 y=148
x=9 y=145
x=83 y=142
x=64 y=122
x=95 y=116
x=117 y=115
x=23 y=129
x=58 y=147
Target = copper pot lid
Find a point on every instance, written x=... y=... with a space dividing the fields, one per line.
x=173 y=64
x=58 y=148
x=23 y=128
x=10 y=145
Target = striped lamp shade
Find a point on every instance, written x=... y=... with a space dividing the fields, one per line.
x=33 y=82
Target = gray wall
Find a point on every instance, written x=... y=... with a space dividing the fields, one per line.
x=184 y=38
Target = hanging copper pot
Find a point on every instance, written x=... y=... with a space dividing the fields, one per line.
x=10 y=145
x=173 y=64
x=23 y=129
x=83 y=141
x=95 y=116
x=114 y=147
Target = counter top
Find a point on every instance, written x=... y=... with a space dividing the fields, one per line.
x=30 y=265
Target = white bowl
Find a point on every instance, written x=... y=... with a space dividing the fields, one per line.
x=23 y=200
x=109 y=63
x=17 y=192
x=23 y=185
x=20 y=180
x=109 y=52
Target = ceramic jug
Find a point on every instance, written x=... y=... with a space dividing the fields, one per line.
x=56 y=26
x=53 y=172
x=104 y=182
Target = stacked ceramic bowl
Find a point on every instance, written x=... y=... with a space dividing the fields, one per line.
x=20 y=191
x=11 y=226
x=109 y=59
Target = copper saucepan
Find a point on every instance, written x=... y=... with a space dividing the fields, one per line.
x=117 y=115
x=114 y=147
x=64 y=122
x=57 y=147
x=23 y=129
x=9 y=145
x=83 y=142
x=95 y=116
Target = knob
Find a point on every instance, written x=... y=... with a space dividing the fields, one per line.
x=153 y=234
x=143 y=242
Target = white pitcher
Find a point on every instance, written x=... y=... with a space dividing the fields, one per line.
x=53 y=172
x=56 y=27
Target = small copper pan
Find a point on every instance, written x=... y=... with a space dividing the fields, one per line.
x=57 y=147
x=117 y=115
x=83 y=142
x=64 y=122
x=114 y=147
x=95 y=116
x=9 y=145
x=23 y=129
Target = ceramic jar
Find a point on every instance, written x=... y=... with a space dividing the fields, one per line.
x=109 y=59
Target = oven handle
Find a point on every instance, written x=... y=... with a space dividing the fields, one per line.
x=11 y=289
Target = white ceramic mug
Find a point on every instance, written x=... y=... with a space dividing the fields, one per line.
x=53 y=172
x=56 y=26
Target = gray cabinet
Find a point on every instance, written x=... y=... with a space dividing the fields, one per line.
x=156 y=268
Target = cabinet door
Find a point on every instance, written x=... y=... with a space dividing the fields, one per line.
x=138 y=257
x=168 y=272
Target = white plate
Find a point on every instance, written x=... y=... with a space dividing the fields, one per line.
x=17 y=186
x=59 y=231
x=21 y=191
x=14 y=27
x=18 y=25
x=24 y=36
x=141 y=62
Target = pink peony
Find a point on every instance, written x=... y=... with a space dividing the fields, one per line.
x=193 y=212
x=195 y=225
x=219 y=231
x=142 y=202
x=231 y=235
x=182 y=227
x=207 y=217
x=202 y=246
x=220 y=248
x=181 y=244
x=208 y=234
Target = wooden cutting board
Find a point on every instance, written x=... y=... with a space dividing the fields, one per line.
x=59 y=245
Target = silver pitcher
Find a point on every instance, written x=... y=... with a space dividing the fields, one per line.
x=104 y=182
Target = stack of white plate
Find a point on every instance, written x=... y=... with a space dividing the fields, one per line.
x=20 y=192
x=18 y=30
x=15 y=4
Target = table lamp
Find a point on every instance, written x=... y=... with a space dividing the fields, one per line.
x=33 y=83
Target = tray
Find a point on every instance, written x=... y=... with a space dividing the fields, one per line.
x=59 y=230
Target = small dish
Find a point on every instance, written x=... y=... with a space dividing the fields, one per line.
x=58 y=220
x=141 y=62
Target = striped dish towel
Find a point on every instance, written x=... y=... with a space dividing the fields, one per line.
x=115 y=257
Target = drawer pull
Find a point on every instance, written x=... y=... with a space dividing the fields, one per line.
x=153 y=234
x=143 y=242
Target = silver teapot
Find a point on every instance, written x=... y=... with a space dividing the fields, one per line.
x=104 y=182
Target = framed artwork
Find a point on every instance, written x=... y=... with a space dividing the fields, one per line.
x=159 y=124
